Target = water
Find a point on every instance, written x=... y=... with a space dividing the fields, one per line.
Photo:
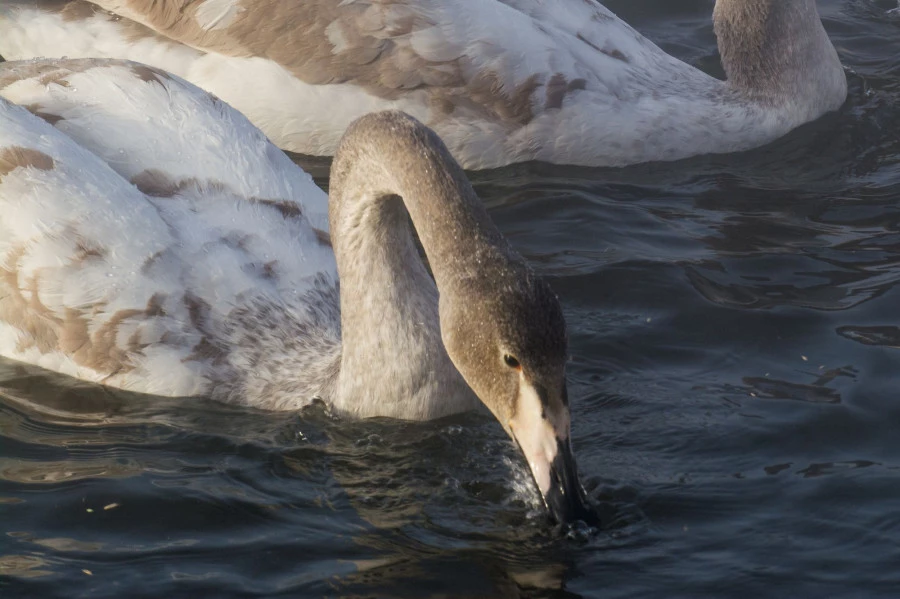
x=734 y=382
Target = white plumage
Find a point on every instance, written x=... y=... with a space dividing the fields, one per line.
x=142 y=235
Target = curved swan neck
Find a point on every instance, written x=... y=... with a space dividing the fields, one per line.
x=776 y=49
x=390 y=327
x=389 y=154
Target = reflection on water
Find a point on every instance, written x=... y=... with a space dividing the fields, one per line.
x=734 y=374
x=888 y=336
x=182 y=487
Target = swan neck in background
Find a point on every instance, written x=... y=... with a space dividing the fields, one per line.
x=777 y=51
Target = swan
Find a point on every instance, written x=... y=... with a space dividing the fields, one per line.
x=500 y=81
x=152 y=239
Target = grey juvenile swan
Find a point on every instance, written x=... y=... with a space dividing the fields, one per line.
x=500 y=81
x=152 y=239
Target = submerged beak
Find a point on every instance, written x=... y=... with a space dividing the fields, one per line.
x=541 y=429
x=565 y=498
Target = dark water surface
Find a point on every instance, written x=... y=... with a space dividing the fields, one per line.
x=735 y=373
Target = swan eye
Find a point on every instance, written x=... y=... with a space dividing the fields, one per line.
x=511 y=362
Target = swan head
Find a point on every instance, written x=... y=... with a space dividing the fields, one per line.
x=508 y=340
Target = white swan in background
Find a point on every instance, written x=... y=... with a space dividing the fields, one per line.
x=152 y=239
x=500 y=81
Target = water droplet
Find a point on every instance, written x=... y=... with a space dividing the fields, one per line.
x=370 y=441
x=580 y=531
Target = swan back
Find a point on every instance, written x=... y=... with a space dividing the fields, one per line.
x=139 y=268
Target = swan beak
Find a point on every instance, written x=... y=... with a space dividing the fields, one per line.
x=541 y=429
x=565 y=498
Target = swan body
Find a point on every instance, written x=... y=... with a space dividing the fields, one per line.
x=152 y=239
x=500 y=81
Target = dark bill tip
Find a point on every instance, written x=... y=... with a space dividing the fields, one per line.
x=565 y=499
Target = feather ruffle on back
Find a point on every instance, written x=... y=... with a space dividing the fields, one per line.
x=152 y=239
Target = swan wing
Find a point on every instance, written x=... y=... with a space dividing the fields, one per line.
x=74 y=238
x=139 y=215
